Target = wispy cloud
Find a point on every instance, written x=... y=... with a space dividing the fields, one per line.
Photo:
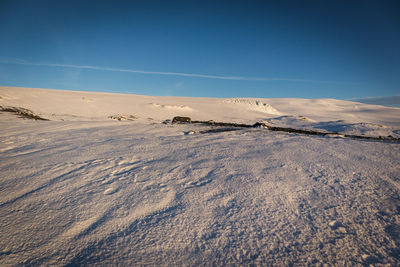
x=182 y=74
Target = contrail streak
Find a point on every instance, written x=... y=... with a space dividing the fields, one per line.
x=196 y=75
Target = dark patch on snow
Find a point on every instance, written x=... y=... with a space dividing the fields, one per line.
x=23 y=113
x=121 y=117
x=179 y=119
x=393 y=231
x=188 y=120
x=219 y=130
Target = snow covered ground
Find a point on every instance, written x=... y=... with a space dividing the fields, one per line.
x=106 y=182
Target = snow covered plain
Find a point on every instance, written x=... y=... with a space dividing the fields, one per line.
x=106 y=182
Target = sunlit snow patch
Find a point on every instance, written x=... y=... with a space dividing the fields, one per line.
x=255 y=105
x=171 y=107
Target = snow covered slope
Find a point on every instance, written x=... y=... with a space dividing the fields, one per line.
x=69 y=105
x=105 y=182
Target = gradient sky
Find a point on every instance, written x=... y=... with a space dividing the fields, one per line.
x=309 y=49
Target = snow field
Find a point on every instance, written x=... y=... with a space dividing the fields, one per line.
x=105 y=182
x=136 y=194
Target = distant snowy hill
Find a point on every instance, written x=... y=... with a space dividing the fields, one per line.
x=104 y=179
x=390 y=101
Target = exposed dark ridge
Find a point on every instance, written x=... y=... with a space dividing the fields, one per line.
x=219 y=130
x=223 y=124
x=187 y=120
x=23 y=113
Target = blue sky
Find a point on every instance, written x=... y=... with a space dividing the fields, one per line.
x=309 y=49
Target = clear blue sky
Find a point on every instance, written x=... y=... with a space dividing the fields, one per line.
x=310 y=49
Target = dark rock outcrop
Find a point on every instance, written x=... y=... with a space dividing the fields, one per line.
x=179 y=119
x=228 y=127
x=23 y=113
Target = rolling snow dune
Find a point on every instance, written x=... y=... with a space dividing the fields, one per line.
x=70 y=105
x=103 y=184
x=252 y=104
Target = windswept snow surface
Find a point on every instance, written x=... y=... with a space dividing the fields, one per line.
x=88 y=189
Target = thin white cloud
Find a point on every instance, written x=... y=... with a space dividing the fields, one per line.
x=196 y=75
